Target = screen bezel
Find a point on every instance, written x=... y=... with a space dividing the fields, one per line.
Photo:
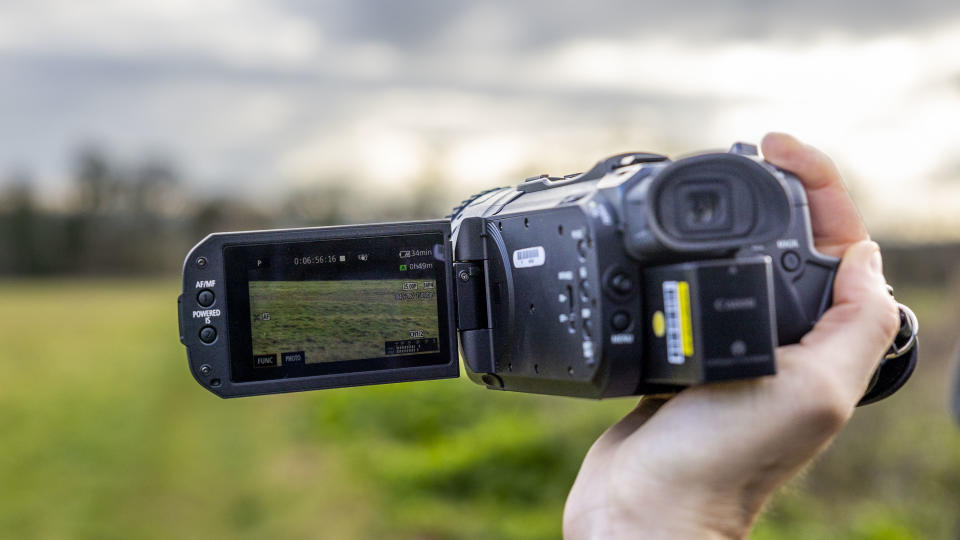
x=211 y=363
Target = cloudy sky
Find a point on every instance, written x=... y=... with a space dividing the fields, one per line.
x=259 y=96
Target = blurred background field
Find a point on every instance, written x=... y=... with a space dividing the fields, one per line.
x=106 y=435
x=130 y=130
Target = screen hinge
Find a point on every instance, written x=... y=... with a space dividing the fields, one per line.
x=471 y=295
x=475 y=334
x=471 y=240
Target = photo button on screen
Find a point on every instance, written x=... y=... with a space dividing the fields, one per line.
x=292 y=358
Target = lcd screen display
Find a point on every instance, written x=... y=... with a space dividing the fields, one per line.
x=333 y=321
x=336 y=306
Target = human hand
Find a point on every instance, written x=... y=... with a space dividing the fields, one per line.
x=702 y=463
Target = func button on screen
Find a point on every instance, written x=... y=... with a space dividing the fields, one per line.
x=264 y=360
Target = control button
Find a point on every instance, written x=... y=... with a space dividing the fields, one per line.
x=208 y=334
x=584 y=290
x=205 y=298
x=621 y=283
x=180 y=318
x=490 y=379
x=537 y=177
x=744 y=149
x=582 y=249
x=566 y=297
x=571 y=198
x=623 y=160
x=790 y=261
x=570 y=319
x=587 y=328
x=620 y=321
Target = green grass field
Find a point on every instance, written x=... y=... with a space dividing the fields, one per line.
x=105 y=435
x=337 y=320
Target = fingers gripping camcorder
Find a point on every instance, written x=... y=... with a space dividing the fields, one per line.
x=642 y=275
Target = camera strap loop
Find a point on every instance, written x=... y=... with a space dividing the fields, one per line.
x=899 y=362
x=906 y=336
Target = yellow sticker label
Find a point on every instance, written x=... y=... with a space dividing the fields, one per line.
x=686 y=321
x=678 y=321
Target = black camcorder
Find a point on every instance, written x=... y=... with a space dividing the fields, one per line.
x=642 y=275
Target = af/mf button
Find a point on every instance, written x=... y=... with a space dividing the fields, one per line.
x=205 y=298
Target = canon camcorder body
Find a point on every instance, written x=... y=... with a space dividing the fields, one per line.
x=642 y=275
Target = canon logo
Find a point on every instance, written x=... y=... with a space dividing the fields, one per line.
x=734 y=304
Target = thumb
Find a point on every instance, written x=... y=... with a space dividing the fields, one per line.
x=852 y=336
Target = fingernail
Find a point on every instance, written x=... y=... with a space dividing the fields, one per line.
x=876 y=262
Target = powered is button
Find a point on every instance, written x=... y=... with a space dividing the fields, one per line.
x=208 y=334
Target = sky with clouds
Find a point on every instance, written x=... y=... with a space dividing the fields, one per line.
x=258 y=97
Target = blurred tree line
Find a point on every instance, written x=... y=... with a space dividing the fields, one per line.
x=141 y=219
